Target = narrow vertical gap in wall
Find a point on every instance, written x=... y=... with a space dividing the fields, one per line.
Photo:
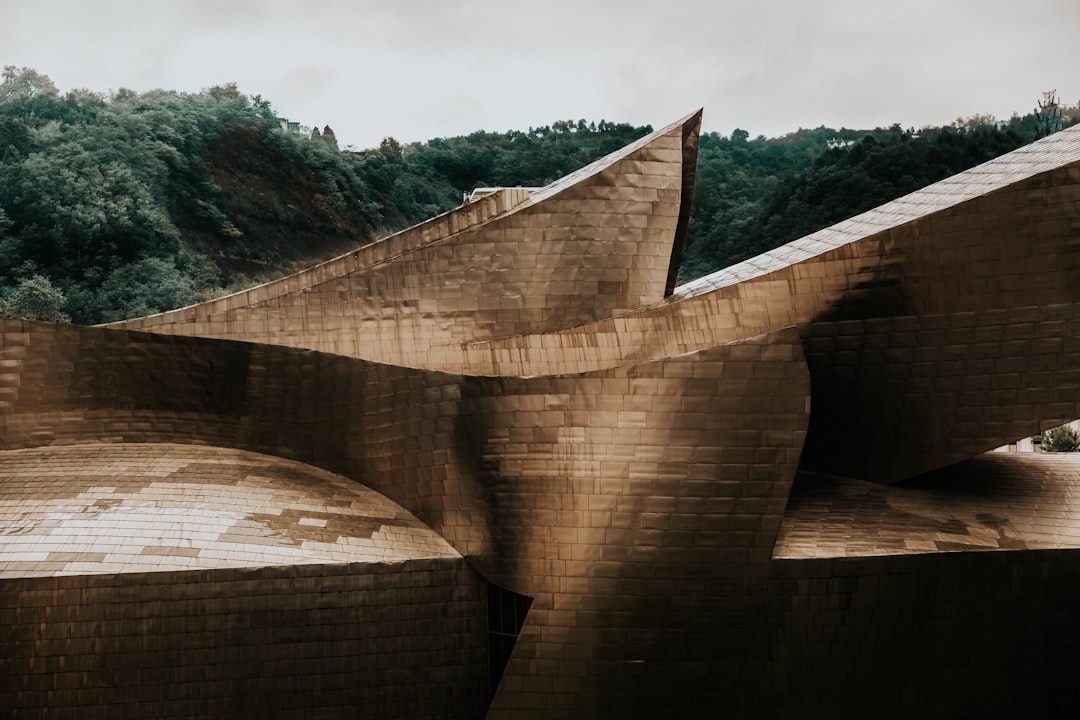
x=506 y=616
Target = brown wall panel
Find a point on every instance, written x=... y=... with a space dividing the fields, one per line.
x=622 y=502
x=625 y=461
x=996 y=501
x=318 y=641
x=905 y=395
x=939 y=635
x=1002 y=237
x=597 y=243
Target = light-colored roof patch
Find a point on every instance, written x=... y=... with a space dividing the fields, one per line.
x=117 y=508
x=998 y=501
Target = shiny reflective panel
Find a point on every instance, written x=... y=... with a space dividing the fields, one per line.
x=108 y=508
x=998 y=501
x=521 y=376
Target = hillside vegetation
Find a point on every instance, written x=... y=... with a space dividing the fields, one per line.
x=119 y=205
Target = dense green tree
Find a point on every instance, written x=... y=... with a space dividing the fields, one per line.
x=24 y=83
x=1061 y=439
x=34 y=298
x=144 y=287
x=92 y=187
x=329 y=137
x=415 y=181
x=1048 y=119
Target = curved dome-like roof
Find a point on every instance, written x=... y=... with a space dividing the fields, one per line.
x=118 y=508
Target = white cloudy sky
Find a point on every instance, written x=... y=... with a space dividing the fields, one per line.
x=418 y=69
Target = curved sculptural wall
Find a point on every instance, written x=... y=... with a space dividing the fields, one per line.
x=638 y=507
x=596 y=243
x=625 y=460
x=936 y=327
x=624 y=502
x=164 y=580
x=1001 y=235
x=996 y=501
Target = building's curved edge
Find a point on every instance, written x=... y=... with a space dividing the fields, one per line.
x=382 y=250
x=691 y=120
x=438 y=230
x=929 y=343
x=628 y=486
x=693 y=309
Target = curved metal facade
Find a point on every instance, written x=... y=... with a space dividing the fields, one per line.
x=521 y=376
x=594 y=244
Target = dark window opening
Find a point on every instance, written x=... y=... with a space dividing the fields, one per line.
x=506 y=616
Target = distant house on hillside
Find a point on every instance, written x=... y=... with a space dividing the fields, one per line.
x=480 y=192
x=289 y=127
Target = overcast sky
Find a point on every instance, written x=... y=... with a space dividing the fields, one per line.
x=418 y=69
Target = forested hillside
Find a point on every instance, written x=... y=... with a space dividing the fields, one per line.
x=755 y=195
x=119 y=205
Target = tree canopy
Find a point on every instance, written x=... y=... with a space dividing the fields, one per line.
x=755 y=195
x=1061 y=439
x=122 y=204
